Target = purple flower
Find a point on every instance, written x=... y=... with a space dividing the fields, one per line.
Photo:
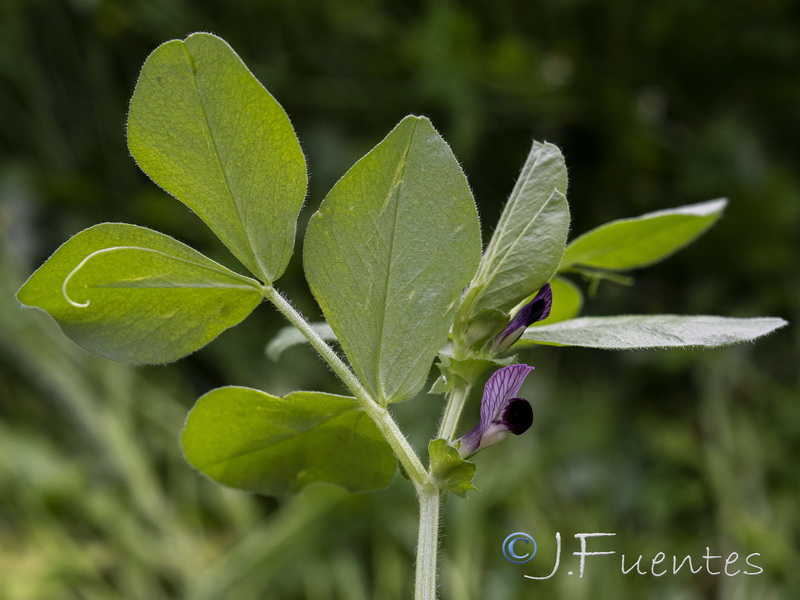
x=535 y=310
x=501 y=410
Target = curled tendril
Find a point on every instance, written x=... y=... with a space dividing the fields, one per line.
x=79 y=267
x=245 y=282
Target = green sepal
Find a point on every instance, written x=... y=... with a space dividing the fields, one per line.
x=449 y=470
x=467 y=369
x=474 y=331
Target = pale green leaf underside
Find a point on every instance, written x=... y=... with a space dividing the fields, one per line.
x=253 y=441
x=530 y=238
x=204 y=129
x=449 y=470
x=290 y=336
x=644 y=240
x=138 y=296
x=387 y=256
x=650 y=331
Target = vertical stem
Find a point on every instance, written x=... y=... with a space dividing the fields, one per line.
x=427 y=544
x=455 y=406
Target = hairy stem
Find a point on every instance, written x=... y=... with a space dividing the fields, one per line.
x=455 y=406
x=427 y=544
x=380 y=415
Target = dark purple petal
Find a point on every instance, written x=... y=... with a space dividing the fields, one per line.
x=518 y=416
x=537 y=309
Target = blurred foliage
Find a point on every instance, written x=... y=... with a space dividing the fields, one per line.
x=654 y=105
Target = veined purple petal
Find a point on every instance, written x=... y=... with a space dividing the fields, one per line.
x=470 y=443
x=537 y=309
x=501 y=410
x=503 y=385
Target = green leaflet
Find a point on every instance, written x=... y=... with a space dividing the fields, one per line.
x=290 y=336
x=451 y=472
x=641 y=241
x=530 y=238
x=251 y=440
x=387 y=256
x=650 y=331
x=204 y=129
x=138 y=296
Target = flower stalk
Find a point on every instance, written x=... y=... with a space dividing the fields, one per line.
x=456 y=400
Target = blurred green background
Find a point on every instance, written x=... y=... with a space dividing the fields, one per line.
x=655 y=104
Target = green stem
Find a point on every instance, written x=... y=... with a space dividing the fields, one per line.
x=455 y=406
x=427 y=544
x=379 y=414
